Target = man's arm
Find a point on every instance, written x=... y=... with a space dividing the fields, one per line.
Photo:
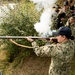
x=43 y=50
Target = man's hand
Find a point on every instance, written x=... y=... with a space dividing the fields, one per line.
x=10 y=40
x=53 y=39
x=29 y=39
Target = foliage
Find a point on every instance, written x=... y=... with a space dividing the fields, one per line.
x=19 y=22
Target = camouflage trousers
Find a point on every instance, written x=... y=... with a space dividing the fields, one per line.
x=56 y=71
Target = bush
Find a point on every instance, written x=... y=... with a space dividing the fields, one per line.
x=20 y=22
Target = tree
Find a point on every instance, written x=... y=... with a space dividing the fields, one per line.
x=20 y=22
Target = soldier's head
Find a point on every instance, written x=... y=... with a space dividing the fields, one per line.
x=66 y=5
x=56 y=8
x=70 y=1
x=72 y=19
x=63 y=34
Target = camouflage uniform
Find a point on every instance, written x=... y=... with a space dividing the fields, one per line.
x=61 y=55
x=54 y=21
x=67 y=12
x=72 y=26
x=57 y=22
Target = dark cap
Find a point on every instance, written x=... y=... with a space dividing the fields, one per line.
x=64 y=30
x=66 y=3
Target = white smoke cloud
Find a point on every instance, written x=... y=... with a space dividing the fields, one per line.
x=43 y=27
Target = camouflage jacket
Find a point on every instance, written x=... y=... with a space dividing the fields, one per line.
x=54 y=20
x=73 y=29
x=61 y=55
x=57 y=23
x=67 y=12
x=72 y=26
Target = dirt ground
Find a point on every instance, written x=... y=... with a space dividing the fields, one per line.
x=37 y=66
x=34 y=66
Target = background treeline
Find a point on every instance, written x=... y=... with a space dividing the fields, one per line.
x=19 y=22
x=14 y=0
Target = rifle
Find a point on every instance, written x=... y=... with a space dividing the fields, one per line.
x=24 y=37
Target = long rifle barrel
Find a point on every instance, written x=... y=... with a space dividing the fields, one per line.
x=20 y=37
x=24 y=37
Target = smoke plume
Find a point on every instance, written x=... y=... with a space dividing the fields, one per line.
x=43 y=27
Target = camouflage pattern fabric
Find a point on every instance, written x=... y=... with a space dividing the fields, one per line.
x=54 y=21
x=61 y=56
x=68 y=13
x=73 y=29
x=72 y=26
x=57 y=23
x=54 y=15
